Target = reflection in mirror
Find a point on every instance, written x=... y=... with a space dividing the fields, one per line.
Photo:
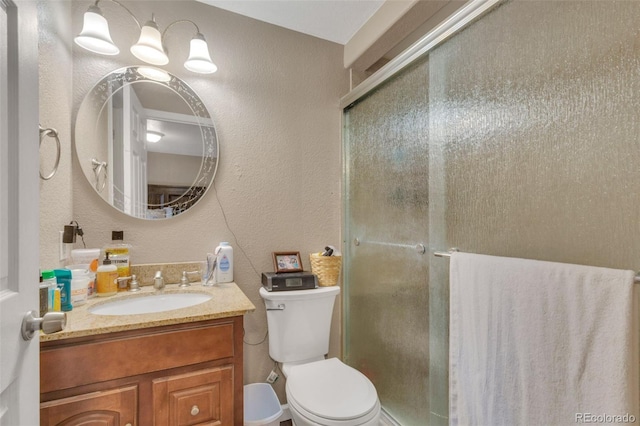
x=148 y=147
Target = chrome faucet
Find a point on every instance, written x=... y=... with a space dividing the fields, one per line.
x=158 y=281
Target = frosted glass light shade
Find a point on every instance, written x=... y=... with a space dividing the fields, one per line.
x=149 y=46
x=199 y=59
x=95 y=36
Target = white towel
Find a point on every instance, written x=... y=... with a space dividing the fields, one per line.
x=541 y=343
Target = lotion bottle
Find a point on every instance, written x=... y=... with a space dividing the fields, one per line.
x=107 y=277
x=224 y=263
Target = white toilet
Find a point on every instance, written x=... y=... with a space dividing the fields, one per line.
x=319 y=391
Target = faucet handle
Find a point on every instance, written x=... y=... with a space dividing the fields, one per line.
x=158 y=281
x=120 y=281
x=133 y=285
x=184 y=281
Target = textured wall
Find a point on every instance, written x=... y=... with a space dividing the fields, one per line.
x=55 y=111
x=275 y=102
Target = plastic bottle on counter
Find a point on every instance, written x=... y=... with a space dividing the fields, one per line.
x=84 y=256
x=119 y=255
x=56 y=300
x=44 y=296
x=49 y=278
x=63 y=277
x=107 y=278
x=224 y=263
x=79 y=286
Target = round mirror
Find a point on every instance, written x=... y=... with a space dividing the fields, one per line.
x=146 y=143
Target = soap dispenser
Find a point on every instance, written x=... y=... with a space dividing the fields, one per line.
x=107 y=277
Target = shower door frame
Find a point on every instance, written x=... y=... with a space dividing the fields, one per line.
x=458 y=21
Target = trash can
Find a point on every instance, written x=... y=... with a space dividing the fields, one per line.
x=261 y=405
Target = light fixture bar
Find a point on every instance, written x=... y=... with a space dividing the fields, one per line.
x=96 y=38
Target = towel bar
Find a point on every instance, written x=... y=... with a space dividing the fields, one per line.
x=448 y=254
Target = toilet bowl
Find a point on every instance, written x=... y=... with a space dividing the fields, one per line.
x=330 y=393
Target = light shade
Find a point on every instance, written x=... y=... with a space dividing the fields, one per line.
x=153 y=136
x=149 y=46
x=199 y=60
x=95 y=35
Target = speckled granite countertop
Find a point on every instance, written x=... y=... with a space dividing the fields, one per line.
x=227 y=300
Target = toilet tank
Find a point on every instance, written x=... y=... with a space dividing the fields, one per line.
x=299 y=322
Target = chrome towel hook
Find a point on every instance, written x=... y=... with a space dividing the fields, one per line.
x=99 y=167
x=53 y=133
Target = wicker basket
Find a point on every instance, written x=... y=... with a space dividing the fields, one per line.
x=327 y=268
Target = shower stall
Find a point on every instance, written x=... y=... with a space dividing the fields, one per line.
x=512 y=130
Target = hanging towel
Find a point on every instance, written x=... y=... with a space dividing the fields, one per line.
x=541 y=343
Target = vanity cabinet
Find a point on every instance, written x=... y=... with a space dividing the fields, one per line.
x=182 y=374
x=201 y=397
x=112 y=407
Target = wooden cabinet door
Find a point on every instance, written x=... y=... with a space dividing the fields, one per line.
x=116 y=407
x=199 y=398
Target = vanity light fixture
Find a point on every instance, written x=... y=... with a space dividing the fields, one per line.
x=95 y=37
x=153 y=136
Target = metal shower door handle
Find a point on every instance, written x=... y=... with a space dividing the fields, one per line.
x=51 y=322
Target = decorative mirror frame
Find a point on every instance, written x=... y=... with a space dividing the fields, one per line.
x=98 y=98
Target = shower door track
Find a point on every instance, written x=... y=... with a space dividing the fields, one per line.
x=446 y=29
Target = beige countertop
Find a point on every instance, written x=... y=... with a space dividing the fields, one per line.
x=227 y=301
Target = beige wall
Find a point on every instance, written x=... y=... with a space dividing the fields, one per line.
x=55 y=112
x=275 y=102
x=172 y=169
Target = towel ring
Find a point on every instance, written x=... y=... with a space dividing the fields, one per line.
x=54 y=134
x=98 y=167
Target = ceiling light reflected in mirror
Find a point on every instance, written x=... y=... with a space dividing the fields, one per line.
x=154 y=137
x=154 y=74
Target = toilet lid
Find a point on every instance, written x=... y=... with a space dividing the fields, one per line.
x=331 y=390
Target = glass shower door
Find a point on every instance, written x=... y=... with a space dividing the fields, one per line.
x=386 y=233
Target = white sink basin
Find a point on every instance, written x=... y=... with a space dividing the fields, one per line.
x=150 y=304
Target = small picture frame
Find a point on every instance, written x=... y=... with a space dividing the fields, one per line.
x=287 y=261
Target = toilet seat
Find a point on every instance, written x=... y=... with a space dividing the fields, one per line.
x=330 y=392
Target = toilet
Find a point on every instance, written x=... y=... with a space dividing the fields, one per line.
x=319 y=391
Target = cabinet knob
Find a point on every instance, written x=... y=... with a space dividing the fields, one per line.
x=128 y=424
x=195 y=410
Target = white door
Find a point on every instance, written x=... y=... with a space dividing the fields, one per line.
x=135 y=153
x=128 y=152
x=19 y=216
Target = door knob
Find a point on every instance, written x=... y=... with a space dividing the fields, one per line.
x=51 y=322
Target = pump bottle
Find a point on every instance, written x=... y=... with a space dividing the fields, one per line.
x=107 y=277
